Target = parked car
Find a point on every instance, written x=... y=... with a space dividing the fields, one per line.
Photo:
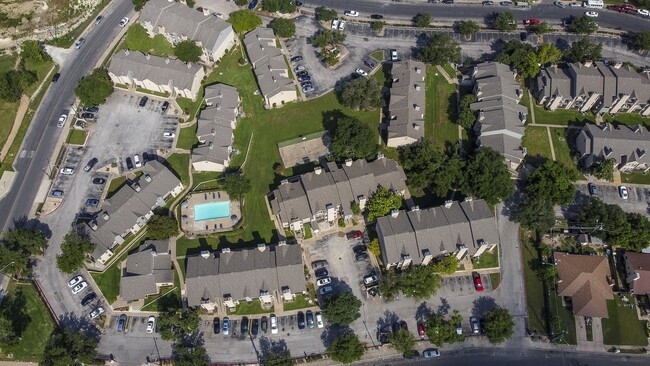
x=296 y=58
x=151 y=324
x=393 y=55
x=306 y=84
x=310 y=319
x=67 y=170
x=169 y=135
x=124 y=22
x=319 y=320
x=448 y=2
x=74 y=281
x=413 y=354
x=622 y=191
x=474 y=324
x=325 y=290
x=335 y=24
x=593 y=190
x=323 y=281
x=362 y=256
x=88 y=299
x=421 y=332
x=355 y=234
x=377 y=16
x=430 y=353
x=369 y=63
x=351 y=13
x=94 y=109
x=252 y=5
x=478 y=284
x=216 y=325
x=129 y=163
x=99 y=181
x=488 y=2
x=643 y=12
x=321 y=272
x=592 y=14
x=62 y=119
x=342 y=24
x=90 y=164
x=88 y=115
x=165 y=106
x=121 y=323
x=506 y=3
x=79 y=287
x=92 y=202
x=301 y=320
x=274 y=324
x=308 y=88
x=226 y=326
x=136 y=160
x=264 y=323
x=56 y=77
x=370 y=280
x=244 y=325
x=255 y=326
x=57 y=193
x=302 y=79
x=523 y=36
x=299 y=68
x=99 y=19
x=531 y=21
x=79 y=43
x=143 y=101
x=560 y=4
x=302 y=73
x=575 y=4
x=96 y=312
x=319 y=264
x=459 y=329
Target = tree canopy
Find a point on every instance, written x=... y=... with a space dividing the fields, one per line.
x=403 y=341
x=325 y=14
x=7 y=334
x=642 y=41
x=236 y=185
x=188 y=51
x=535 y=214
x=499 y=325
x=326 y=37
x=552 y=182
x=342 y=309
x=488 y=176
x=18 y=245
x=422 y=20
x=417 y=282
x=174 y=324
x=518 y=55
x=429 y=167
x=440 y=49
x=548 y=54
x=244 y=20
x=441 y=331
x=67 y=347
x=604 y=170
x=505 y=22
x=447 y=264
x=277 y=358
x=467 y=117
x=162 y=227
x=346 y=348
x=93 y=89
x=584 y=25
x=14 y=82
x=583 y=50
x=139 y=4
x=282 y=6
x=284 y=28
x=542 y=28
x=361 y=94
x=382 y=202
x=353 y=139
x=31 y=50
x=74 y=249
x=468 y=27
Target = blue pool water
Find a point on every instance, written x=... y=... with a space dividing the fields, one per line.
x=212 y=210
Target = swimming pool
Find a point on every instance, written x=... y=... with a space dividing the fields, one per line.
x=212 y=210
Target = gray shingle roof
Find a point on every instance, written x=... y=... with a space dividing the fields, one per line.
x=398 y=237
x=162 y=71
x=244 y=273
x=290 y=202
x=622 y=143
x=482 y=222
x=268 y=62
x=145 y=269
x=407 y=100
x=552 y=81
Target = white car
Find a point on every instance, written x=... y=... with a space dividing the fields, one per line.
x=361 y=72
x=323 y=281
x=393 y=55
x=643 y=12
x=319 y=320
x=351 y=13
x=97 y=312
x=593 y=14
x=67 y=171
x=62 y=120
x=370 y=279
x=575 y=5
x=80 y=287
x=169 y=135
x=151 y=324
x=137 y=161
x=342 y=25
x=560 y=4
x=622 y=191
x=274 y=324
x=74 y=281
x=335 y=24
x=124 y=22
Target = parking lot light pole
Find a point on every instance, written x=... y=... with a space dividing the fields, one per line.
x=7 y=265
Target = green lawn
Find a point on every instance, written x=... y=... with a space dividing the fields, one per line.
x=252 y=308
x=488 y=259
x=180 y=163
x=138 y=40
x=623 y=326
x=207 y=180
x=568 y=320
x=495 y=279
x=300 y=303
x=563 y=154
x=189 y=106
x=441 y=109
x=638 y=178
x=169 y=296
x=187 y=138
x=31 y=320
x=378 y=55
x=630 y=119
x=534 y=287
x=536 y=141
x=109 y=281
x=115 y=185
x=77 y=137
x=267 y=128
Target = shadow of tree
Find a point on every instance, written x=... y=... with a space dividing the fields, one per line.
x=80 y=325
x=332 y=332
x=482 y=305
x=389 y=318
x=444 y=307
x=423 y=312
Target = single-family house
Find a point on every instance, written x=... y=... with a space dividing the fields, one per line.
x=637 y=269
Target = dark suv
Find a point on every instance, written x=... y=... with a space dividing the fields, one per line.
x=143 y=101
x=244 y=326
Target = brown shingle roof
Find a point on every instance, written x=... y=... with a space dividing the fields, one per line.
x=640 y=264
x=584 y=279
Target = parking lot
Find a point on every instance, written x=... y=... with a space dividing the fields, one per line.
x=638 y=197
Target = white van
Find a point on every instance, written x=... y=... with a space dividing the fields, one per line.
x=594 y=4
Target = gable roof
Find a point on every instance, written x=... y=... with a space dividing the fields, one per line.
x=407 y=100
x=622 y=143
x=399 y=238
x=145 y=269
x=159 y=70
x=268 y=62
x=640 y=264
x=584 y=279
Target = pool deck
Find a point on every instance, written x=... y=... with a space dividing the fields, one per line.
x=204 y=227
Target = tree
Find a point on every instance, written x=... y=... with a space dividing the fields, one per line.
x=514 y=53
x=353 y=140
x=375 y=248
x=30 y=241
x=162 y=227
x=277 y=358
x=31 y=50
x=244 y=20
x=236 y=185
x=422 y=20
x=176 y=323
x=346 y=348
x=419 y=282
x=14 y=82
x=604 y=169
x=190 y=3
x=642 y=41
x=7 y=334
x=326 y=15
x=535 y=214
x=282 y=6
x=356 y=209
x=488 y=176
x=377 y=25
x=583 y=50
x=529 y=67
x=505 y=22
x=548 y=54
x=426 y=166
x=499 y=325
x=584 y=25
x=441 y=331
x=610 y=222
x=67 y=347
x=382 y=202
x=342 y=309
x=552 y=182
x=403 y=341
x=284 y=28
x=74 y=250
x=542 y=28
x=467 y=117
x=190 y=355
x=447 y=264
x=326 y=37
x=361 y=94
x=139 y=4
x=93 y=89
x=640 y=231
x=440 y=49
x=468 y=28
x=188 y=51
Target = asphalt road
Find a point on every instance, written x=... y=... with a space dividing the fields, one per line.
x=543 y=12
x=41 y=139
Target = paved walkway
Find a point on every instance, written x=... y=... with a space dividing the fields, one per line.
x=550 y=142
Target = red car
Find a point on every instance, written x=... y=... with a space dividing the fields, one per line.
x=356 y=234
x=615 y=8
x=531 y=21
x=478 y=284
x=627 y=8
x=421 y=330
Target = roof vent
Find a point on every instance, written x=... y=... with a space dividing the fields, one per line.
x=284 y=181
x=380 y=156
x=106 y=216
x=219 y=94
x=93 y=225
x=213 y=131
x=189 y=65
x=225 y=250
x=348 y=162
x=206 y=11
x=618 y=65
x=416 y=107
x=415 y=208
x=126 y=52
x=418 y=70
x=637 y=128
x=210 y=145
x=136 y=186
x=394 y=213
x=282 y=243
x=261 y=247
x=449 y=203
x=147 y=177
x=417 y=87
x=318 y=170
x=205 y=254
